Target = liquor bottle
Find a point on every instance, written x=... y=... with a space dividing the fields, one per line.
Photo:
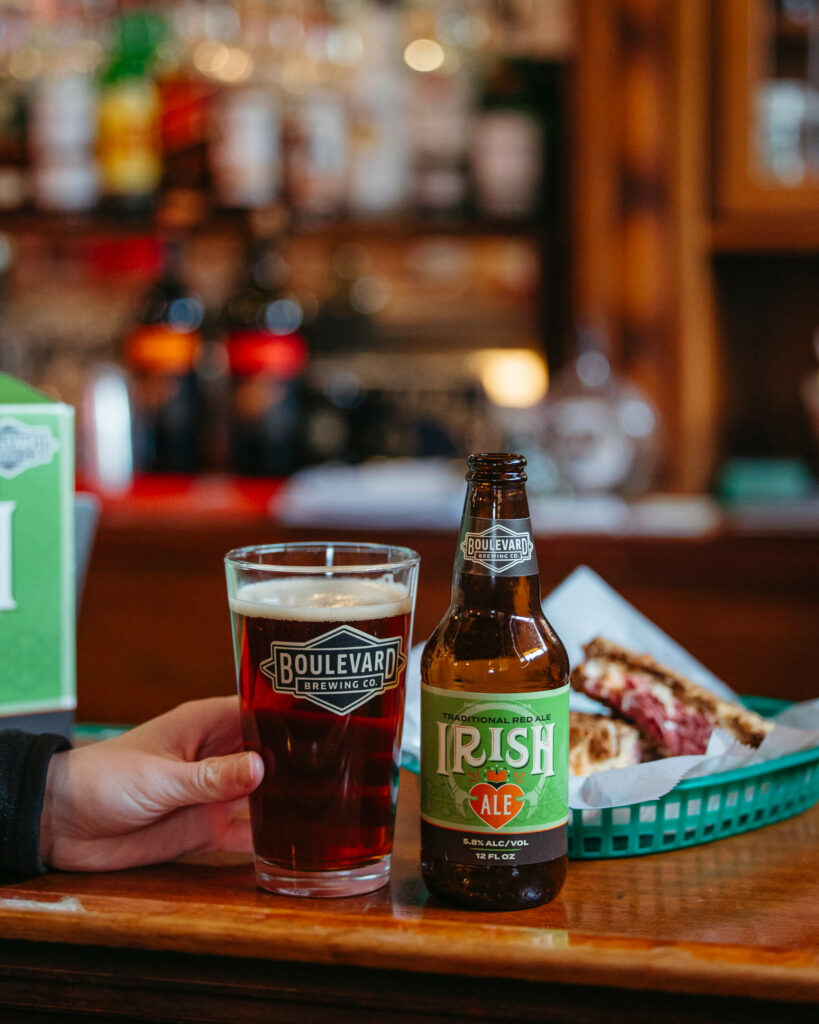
x=185 y=118
x=317 y=151
x=317 y=155
x=345 y=420
x=509 y=143
x=379 y=172
x=267 y=356
x=494 y=713
x=63 y=135
x=441 y=121
x=245 y=150
x=129 y=139
x=160 y=353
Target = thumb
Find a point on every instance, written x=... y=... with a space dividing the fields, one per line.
x=217 y=779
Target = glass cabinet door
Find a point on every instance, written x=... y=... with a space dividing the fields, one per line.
x=767 y=120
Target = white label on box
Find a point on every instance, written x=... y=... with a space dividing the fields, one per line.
x=7 y=602
x=22 y=447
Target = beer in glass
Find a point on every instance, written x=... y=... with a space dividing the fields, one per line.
x=321 y=638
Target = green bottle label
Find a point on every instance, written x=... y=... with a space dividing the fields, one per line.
x=495 y=775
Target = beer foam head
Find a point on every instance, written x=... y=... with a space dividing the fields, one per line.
x=322 y=599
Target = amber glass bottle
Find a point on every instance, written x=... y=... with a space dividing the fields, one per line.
x=495 y=713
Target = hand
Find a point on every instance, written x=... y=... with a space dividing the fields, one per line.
x=168 y=787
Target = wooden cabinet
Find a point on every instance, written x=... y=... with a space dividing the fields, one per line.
x=705 y=269
x=766 y=130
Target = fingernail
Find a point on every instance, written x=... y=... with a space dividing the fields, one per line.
x=248 y=774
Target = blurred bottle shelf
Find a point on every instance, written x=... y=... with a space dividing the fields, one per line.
x=330 y=106
x=718 y=335
x=32 y=221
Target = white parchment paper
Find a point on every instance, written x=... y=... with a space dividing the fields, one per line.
x=584 y=606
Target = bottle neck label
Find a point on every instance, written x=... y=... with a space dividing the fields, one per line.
x=495 y=547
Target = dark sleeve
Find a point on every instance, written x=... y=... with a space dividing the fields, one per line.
x=24 y=760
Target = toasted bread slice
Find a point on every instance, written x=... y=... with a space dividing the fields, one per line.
x=597 y=743
x=671 y=712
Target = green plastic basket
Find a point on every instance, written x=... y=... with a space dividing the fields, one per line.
x=703 y=809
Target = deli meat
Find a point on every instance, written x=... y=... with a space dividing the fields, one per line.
x=673 y=714
x=670 y=725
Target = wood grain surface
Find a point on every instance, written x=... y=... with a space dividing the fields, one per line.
x=735 y=919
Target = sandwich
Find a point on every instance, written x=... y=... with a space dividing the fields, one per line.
x=673 y=715
x=597 y=743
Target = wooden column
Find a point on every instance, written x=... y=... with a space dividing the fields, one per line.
x=641 y=187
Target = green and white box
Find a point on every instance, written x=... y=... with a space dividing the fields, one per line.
x=37 y=615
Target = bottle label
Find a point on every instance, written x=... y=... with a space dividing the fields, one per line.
x=491 y=547
x=495 y=775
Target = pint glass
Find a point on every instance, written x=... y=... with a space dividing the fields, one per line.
x=321 y=635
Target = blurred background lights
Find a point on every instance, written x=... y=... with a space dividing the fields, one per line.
x=345 y=46
x=513 y=378
x=593 y=369
x=286 y=30
x=225 y=63
x=26 y=64
x=87 y=56
x=369 y=294
x=236 y=67
x=221 y=20
x=208 y=55
x=424 y=55
x=283 y=316
x=185 y=314
x=344 y=389
x=106 y=422
x=637 y=418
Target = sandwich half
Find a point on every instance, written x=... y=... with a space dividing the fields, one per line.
x=597 y=743
x=673 y=714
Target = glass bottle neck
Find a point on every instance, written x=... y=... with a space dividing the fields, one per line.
x=493 y=499
x=495 y=563
x=513 y=595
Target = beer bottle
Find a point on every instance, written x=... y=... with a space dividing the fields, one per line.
x=495 y=713
x=267 y=356
x=161 y=351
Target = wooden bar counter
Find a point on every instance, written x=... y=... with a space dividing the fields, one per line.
x=727 y=931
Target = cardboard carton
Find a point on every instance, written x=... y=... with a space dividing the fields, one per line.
x=37 y=590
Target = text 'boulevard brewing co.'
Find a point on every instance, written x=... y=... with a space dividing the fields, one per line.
x=494 y=713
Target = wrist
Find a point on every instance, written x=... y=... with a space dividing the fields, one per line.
x=56 y=768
